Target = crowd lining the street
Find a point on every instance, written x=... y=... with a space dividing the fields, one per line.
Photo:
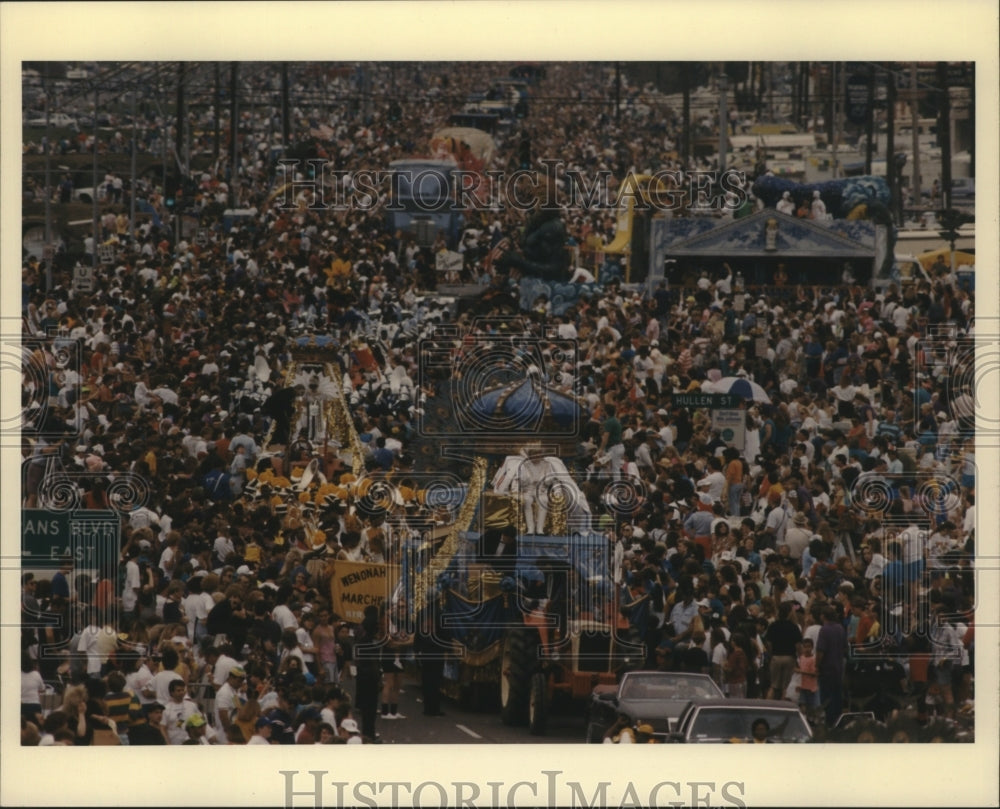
x=845 y=526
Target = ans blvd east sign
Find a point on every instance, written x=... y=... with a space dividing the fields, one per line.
x=89 y=538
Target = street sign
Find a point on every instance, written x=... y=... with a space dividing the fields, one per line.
x=732 y=427
x=960 y=75
x=448 y=261
x=91 y=541
x=108 y=253
x=89 y=537
x=713 y=401
x=856 y=102
x=83 y=278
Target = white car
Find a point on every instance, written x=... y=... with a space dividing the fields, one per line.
x=57 y=119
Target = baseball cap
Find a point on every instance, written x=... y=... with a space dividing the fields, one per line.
x=237 y=671
x=195 y=721
x=263 y=722
x=350 y=726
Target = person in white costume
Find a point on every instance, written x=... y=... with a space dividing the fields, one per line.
x=532 y=477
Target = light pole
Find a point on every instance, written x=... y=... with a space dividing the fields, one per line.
x=723 y=121
x=96 y=187
x=132 y=186
x=47 y=252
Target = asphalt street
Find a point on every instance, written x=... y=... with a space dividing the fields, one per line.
x=459 y=726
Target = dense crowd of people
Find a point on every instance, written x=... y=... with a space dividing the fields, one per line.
x=840 y=534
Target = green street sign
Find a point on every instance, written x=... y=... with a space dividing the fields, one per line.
x=90 y=538
x=713 y=401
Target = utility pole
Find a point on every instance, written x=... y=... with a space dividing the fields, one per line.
x=234 y=125
x=723 y=121
x=831 y=83
x=915 y=119
x=96 y=185
x=806 y=75
x=47 y=252
x=870 y=120
x=216 y=104
x=618 y=91
x=686 y=115
x=180 y=148
x=972 y=121
x=181 y=139
x=132 y=181
x=770 y=92
x=944 y=132
x=892 y=173
x=836 y=87
x=286 y=124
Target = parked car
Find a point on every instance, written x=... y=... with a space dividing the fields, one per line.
x=103 y=120
x=732 y=720
x=653 y=697
x=963 y=188
x=905 y=270
x=56 y=119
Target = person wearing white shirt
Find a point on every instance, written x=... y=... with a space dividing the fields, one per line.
x=197 y=605
x=714 y=483
x=143 y=517
x=176 y=712
x=776 y=524
x=223 y=665
x=969 y=523
x=222 y=548
x=262 y=733
x=643 y=453
x=229 y=697
x=133 y=582
x=166 y=395
x=160 y=684
x=89 y=644
x=284 y=617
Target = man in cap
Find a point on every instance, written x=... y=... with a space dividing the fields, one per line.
x=197 y=730
x=229 y=698
x=308 y=732
x=349 y=730
x=797 y=536
x=262 y=732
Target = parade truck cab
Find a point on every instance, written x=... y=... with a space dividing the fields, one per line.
x=423 y=200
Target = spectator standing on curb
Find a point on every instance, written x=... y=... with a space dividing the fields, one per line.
x=831 y=656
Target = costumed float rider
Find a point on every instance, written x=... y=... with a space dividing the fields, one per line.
x=543 y=244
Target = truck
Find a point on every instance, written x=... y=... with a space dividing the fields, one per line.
x=532 y=632
x=424 y=200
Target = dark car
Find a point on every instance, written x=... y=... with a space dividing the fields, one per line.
x=732 y=720
x=654 y=697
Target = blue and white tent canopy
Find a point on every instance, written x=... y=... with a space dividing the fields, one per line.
x=738 y=386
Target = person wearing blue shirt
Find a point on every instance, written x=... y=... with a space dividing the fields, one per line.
x=60 y=584
x=383 y=456
x=922 y=392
